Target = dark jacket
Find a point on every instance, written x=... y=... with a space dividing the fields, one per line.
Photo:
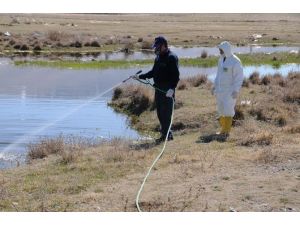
x=165 y=72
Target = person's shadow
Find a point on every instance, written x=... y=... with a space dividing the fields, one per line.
x=207 y=138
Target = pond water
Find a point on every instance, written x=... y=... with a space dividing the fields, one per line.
x=181 y=52
x=46 y=102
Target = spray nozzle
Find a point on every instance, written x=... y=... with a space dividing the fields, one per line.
x=137 y=73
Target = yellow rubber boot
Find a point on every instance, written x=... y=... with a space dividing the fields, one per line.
x=222 y=125
x=227 y=124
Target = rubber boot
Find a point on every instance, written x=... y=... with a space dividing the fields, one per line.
x=222 y=125
x=227 y=124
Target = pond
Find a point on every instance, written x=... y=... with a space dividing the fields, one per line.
x=46 y=102
x=192 y=52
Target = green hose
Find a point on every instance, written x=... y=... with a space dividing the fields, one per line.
x=161 y=152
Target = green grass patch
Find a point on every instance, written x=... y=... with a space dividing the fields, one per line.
x=77 y=64
x=275 y=59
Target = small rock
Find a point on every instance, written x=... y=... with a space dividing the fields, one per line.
x=232 y=209
x=257 y=36
x=245 y=102
x=7 y=34
x=294 y=52
x=290 y=209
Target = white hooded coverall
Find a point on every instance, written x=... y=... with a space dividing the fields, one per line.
x=229 y=79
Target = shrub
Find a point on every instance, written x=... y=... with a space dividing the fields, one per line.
x=292 y=95
x=182 y=85
x=12 y=42
x=196 y=81
x=281 y=120
x=17 y=46
x=279 y=80
x=117 y=93
x=76 y=44
x=139 y=103
x=266 y=80
x=239 y=113
x=59 y=45
x=128 y=47
x=45 y=147
x=69 y=156
x=95 y=44
x=55 y=35
x=24 y=47
x=134 y=99
x=259 y=113
x=262 y=138
x=245 y=83
x=293 y=75
x=67 y=147
x=37 y=48
x=146 y=45
x=178 y=126
x=254 y=78
x=204 y=54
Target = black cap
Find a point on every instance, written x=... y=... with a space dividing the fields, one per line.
x=159 y=40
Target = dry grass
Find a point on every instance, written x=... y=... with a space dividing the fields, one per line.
x=293 y=129
x=54 y=35
x=146 y=45
x=256 y=162
x=183 y=85
x=263 y=138
x=194 y=81
x=292 y=95
x=190 y=28
x=266 y=156
x=68 y=147
x=198 y=80
x=274 y=105
x=45 y=147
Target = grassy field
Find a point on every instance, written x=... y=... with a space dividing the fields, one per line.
x=48 y=33
x=257 y=169
x=274 y=59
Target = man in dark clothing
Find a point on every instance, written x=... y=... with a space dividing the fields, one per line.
x=165 y=74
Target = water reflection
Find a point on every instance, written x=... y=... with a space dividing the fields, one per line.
x=182 y=52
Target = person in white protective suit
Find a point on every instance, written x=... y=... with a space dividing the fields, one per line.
x=227 y=85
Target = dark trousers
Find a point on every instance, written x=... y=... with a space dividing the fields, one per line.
x=164 y=107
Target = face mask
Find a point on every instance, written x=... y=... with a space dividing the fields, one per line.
x=157 y=50
x=222 y=54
